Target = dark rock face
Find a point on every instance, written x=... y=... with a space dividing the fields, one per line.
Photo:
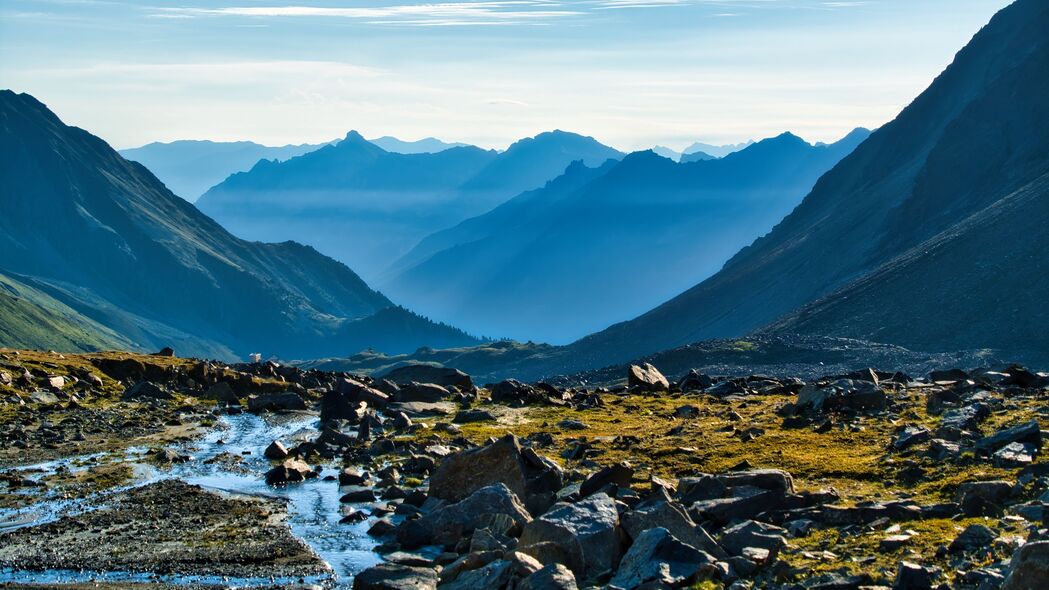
x=553 y=576
x=656 y=557
x=526 y=474
x=1030 y=567
x=585 y=531
x=647 y=378
x=449 y=524
x=144 y=390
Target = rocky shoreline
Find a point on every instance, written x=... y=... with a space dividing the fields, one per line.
x=860 y=479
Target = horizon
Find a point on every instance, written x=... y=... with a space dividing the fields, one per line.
x=633 y=75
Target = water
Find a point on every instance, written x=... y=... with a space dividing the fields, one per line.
x=313 y=506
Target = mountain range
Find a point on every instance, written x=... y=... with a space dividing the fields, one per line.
x=366 y=206
x=91 y=239
x=599 y=244
x=929 y=234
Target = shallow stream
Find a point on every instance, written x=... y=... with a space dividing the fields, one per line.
x=313 y=506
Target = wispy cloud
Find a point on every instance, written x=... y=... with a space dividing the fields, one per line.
x=439 y=14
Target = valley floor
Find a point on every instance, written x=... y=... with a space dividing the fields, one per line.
x=145 y=471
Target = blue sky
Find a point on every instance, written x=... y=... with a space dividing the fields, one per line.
x=632 y=73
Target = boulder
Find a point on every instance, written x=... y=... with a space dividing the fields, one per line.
x=276 y=451
x=750 y=533
x=674 y=518
x=619 y=474
x=291 y=471
x=586 y=530
x=393 y=576
x=221 y=392
x=912 y=576
x=1028 y=432
x=443 y=376
x=493 y=576
x=695 y=381
x=1029 y=568
x=948 y=375
x=276 y=402
x=656 y=557
x=553 y=576
x=647 y=378
x=533 y=479
x=842 y=394
x=975 y=536
x=983 y=498
x=514 y=393
x=1015 y=454
x=448 y=524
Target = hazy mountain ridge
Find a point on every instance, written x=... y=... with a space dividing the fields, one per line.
x=599 y=244
x=104 y=237
x=367 y=207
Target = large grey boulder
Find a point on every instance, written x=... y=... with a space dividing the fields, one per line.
x=1029 y=569
x=553 y=576
x=657 y=557
x=585 y=531
x=676 y=520
x=647 y=378
x=392 y=576
x=276 y=402
x=422 y=392
x=533 y=479
x=751 y=533
x=450 y=523
x=493 y=576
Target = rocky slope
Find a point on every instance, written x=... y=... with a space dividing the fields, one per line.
x=970 y=151
x=869 y=478
x=597 y=245
x=366 y=206
x=103 y=237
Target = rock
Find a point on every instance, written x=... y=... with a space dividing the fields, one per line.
x=843 y=394
x=674 y=518
x=276 y=451
x=910 y=435
x=493 y=576
x=144 y=390
x=352 y=477
x=1028 y=432
x=751 y=533
x=647 y=378
x=358 y=494
x=657 y=557
x=965 y=418
x=695 y=381
x=948 y=375
x=469 y=416
x=422 y=392
x=553 y=576
x=448 y=524
x=291 y=471
x=533 y=479
x=983 y=498
x=56 y=382
x=619 y=474
x=443 y=376
x=585 y=530
x=1015 y=454
x=911 y=576
x=975 y=536
x=276 y=402
x=392 y=576
x=1029 y=568
x=221 y=392
x=42 y=397
x=894 y=543
x=514 y=393
x=766 y=479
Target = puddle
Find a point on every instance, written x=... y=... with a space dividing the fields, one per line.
x=313 y=506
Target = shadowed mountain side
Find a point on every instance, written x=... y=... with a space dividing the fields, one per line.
x=104 y=237
x=974 y=136
x=598 y=245
x=367 y=207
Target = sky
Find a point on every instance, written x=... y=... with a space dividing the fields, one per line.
x=631 y=73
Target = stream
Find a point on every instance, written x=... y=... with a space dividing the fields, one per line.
x=313 y=506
